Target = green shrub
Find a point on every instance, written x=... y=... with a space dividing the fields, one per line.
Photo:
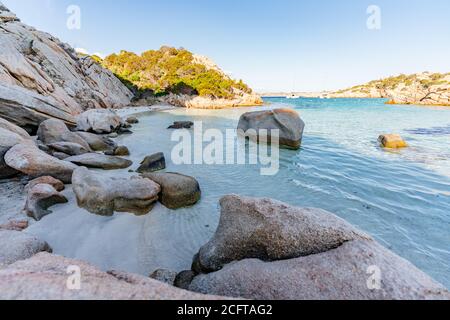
x=171 y=70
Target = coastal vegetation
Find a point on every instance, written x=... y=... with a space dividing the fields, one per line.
x=171 y=70
x=421 y=88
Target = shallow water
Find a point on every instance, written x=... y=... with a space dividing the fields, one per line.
x=402 y=198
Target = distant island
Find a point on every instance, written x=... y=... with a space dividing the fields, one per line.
x=178 y=77
x=424 y=88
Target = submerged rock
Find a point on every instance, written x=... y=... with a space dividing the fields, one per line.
x=392 y=141
x=105 y=195
x=15 y=225
x=28 y=159
x=99 y=121
x=15 y=246
x=177 y=190
x=69 y=148
x=55 y=131
x=132 y=120
x=97 y=142
x=45 y=277
x=100 y=161
x=270 y=230
x=164 y=275
x=181 y=125
x=40 y=198
x=55 y=183
x=119 y=151
x=346 y=273
x=155 y=162
x=287 y=121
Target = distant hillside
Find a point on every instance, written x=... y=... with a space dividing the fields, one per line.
x=170 y=70
x=423 y=88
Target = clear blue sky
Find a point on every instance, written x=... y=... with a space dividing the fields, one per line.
x=270 y=44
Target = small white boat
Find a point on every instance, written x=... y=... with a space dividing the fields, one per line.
x=293 y=96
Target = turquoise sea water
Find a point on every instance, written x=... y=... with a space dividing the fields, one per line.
x=402 y=198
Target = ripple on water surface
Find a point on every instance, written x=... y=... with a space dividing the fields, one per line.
x=401 y=198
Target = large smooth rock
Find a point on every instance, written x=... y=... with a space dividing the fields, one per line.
x=43 y=78
x=155 y=162
x=45 y=277
x=100 y=161
x=55 y=131
x=10 y=135
x=40 y=198
x=4 y=124
x=55 y=183
x=99 y=121
x=97 y=142
x=270 y=230
x=177 y=190
x=69 y=148
x=105 y=195
x=29 y=160
x=15 y=246
x=346 y=273
x=287 y=121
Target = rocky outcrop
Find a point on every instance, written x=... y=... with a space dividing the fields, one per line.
x=155 y=162
x=177 y=190
x=287 y=121
x=420 y=89
x=104 y=195
x=43 y=78
x=99 y=121
x=278 y=232
x=198 y=102
x=29 y=160
x=346 y=273
x=100 y=161
x=55 y=131
x=264 y=249
x=45 y=277
x=40 y=198
x=15 y=246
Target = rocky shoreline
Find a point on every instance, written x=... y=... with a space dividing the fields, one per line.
x=262 y=249
x=58 y=128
